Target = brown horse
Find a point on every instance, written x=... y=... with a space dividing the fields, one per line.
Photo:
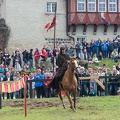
x=69 y=83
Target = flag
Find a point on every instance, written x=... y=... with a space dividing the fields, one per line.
x=51 y=25
x=47 y=25
x=103 y=17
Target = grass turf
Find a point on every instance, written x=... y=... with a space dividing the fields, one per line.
x=88 y=108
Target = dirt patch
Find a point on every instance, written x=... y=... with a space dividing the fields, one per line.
x=35 y=104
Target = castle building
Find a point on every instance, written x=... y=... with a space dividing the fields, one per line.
x=76 y=19
x=90 y=19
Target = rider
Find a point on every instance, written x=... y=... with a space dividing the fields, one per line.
x=62 y=67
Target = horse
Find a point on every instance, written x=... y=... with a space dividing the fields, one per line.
x=69 y=83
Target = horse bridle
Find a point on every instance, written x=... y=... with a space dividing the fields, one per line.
x=76 y=69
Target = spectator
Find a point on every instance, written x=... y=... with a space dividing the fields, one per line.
x=18 y=62
x=104 y=47
x=90 y=60
x=81 y=51
x=36 y=56
x=39 y=85
x=48 y=77
x=113 y=82
x=13 y=58
x=1 y=56
x=84 y=85
x=77 y=48
x=92 y=91
x=102 y=80
x=18 y=93
x=110 y=48
x=44 y=55
x=95 y=60
x=31 y=77
x=2 y=69
x=89 y=50
x=100 y=56
x=6 y=58
x=8 y=77
x=115 y=55
x=118 y=67
x=25 y=56
x=30 y=58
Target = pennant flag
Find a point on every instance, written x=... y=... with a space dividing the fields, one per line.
x=103 y=17
x=51 y=25
x=12 y=87
x=6 y=87
x=47 y=25
x=17 y=86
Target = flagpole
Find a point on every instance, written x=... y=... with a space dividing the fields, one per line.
x=54 y=36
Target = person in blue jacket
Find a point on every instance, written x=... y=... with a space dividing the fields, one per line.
x=104 y=47
x=39 y=86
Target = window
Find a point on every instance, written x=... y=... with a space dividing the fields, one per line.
x=112 y=5
x=51 y=7
x=91 y=5
x=101 y=5
x=81 y=6
x=81 y=38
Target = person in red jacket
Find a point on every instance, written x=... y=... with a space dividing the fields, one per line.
x=44 y=54
x=36 y=56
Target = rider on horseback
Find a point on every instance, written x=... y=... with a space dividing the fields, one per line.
x=62 y=67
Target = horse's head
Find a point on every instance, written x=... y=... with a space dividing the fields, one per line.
x=73 y=63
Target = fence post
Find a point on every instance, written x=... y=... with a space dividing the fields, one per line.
x=0 y=92
x=30 y=89
x=106 y=85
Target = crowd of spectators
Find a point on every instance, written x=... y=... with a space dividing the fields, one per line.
x=92 y=52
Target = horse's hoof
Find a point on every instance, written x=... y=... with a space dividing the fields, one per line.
x=64 y=107
x=74 y=110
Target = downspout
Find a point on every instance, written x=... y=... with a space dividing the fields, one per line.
x=67 y=22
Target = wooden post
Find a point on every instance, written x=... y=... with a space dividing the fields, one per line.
x=31 y=92
x=106 y=86
x=25 y=89
x=54 y=36
x=25 y=101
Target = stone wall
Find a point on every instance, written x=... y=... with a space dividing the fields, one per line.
x=27 y=19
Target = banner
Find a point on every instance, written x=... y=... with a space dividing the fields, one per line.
x=103 y=17
x=12 y=86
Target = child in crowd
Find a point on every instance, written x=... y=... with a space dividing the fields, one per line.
x=90 y=60
x=95 y=60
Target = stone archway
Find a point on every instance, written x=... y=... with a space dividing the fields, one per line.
x=4 y=34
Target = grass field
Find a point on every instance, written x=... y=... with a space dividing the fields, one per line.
x=88 y=108
x=109 y=64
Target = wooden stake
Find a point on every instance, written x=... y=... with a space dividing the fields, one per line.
x=25 y=101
